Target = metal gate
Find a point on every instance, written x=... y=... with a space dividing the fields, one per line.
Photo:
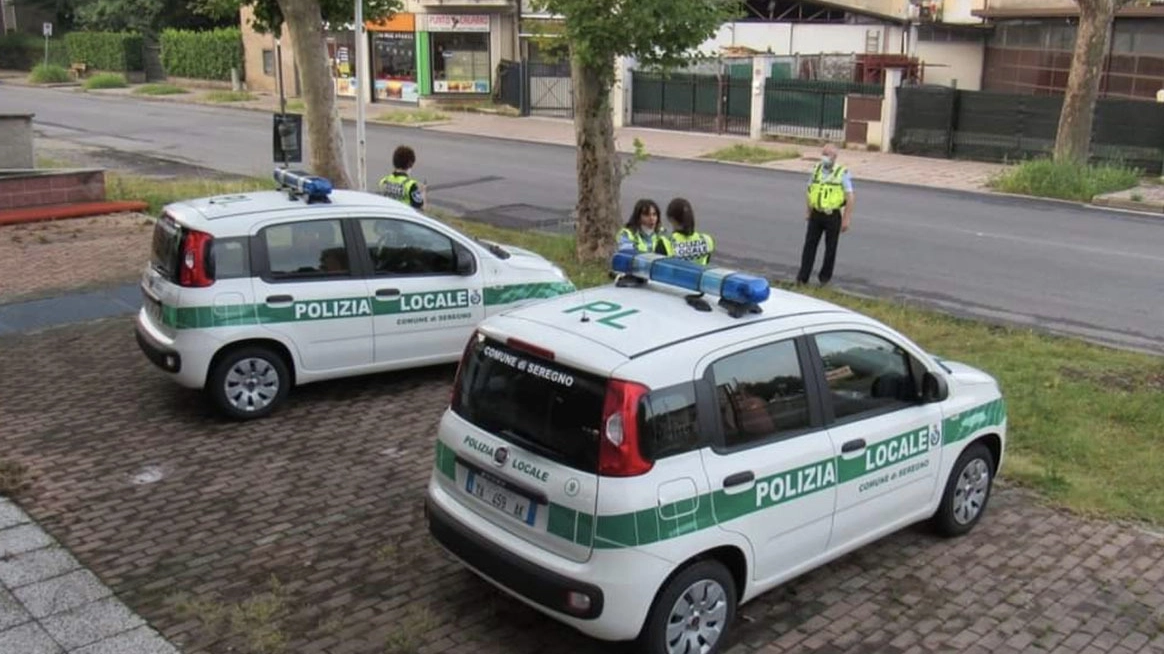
x=702 y=102
x=551 y=89
x=152 y=62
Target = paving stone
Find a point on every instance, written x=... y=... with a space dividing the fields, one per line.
x=61 y=594
x=91 y=622
x=12 y=612
x=340 y=472
x=142 y=640
x=22 y=538
x=10 y=514
x=37 y=565
x=28 y=638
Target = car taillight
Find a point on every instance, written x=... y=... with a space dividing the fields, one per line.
x=455 y=396
x=618 y=451
x=193 y=268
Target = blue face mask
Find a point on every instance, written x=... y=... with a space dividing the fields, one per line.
x=827 y=162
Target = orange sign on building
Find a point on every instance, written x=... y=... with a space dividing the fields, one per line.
x=402 y=22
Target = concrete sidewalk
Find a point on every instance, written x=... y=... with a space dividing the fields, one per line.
x=50 y=604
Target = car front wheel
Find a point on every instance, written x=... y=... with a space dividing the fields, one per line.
x=693 y=612
x=249 y=382
x=967 y=492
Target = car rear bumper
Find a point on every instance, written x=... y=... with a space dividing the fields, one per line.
x=532 y=582
x=162 y=356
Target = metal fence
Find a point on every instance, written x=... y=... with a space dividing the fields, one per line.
x=809 y=108
x=989 y=126
x=719 y=103
x=551 y=89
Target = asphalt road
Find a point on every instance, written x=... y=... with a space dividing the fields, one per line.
x=1093 y=273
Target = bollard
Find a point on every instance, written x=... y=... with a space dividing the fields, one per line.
x=235 y=85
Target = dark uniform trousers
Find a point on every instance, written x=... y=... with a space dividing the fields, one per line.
x=829 y=225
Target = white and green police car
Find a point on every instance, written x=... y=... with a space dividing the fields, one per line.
x=249 y=294
x=637 y=461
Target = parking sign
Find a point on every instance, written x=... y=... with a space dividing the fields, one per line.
x=48 y=29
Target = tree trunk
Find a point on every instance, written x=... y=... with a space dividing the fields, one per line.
x=325 y=141
x=598 y=161
x=1073 y=139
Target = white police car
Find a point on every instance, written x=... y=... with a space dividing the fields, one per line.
x=249 y=294
x=636 y=461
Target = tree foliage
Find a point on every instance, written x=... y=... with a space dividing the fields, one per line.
x=657 y=33
x=269 y=15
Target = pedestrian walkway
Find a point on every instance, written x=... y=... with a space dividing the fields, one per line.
x=50 y=604
x=31 y=315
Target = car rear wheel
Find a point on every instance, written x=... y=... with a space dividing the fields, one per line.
x=249 y=382
x=967 y=492
x=693 y=612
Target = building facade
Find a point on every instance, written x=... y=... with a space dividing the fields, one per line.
x=432 y=50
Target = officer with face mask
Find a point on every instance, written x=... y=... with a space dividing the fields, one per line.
x=830 y=208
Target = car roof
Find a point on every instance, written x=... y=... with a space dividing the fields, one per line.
x=258 y=203
x=637 y=320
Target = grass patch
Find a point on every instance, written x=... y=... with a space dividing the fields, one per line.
x=228 y=96
x=486 y=107
x=1065 y=181
x=296 y=106
x=412 y=116
x=1083 y=419
x=50 y=74
x=13 y=478
x=752 y=154
x=160 y=192
x=105 y=81
x=256 y=622
x=159 y=89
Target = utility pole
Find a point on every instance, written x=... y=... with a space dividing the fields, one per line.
x=362 y=79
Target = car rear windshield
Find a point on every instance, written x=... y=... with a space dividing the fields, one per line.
x=550 y=409
x=167 y=247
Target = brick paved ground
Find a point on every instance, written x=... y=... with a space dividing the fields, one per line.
x=40 y=259
x=189 y=518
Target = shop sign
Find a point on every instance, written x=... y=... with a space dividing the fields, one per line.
x=460 y=86
x=458 y=23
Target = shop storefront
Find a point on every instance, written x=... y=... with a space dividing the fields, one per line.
x=341 y=54
x=460 y=55
x=393 y=59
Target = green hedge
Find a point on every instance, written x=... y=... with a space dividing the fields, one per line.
x=19 y=51
x=110 y=51
x=202 y=55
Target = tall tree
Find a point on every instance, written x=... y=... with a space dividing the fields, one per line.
x=1073 y=139
x=305 y=21
x=656 y=33
x=147 y=17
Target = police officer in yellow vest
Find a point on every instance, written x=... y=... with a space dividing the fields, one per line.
x=400 y=185
x=641 y=233
x=684 y=242
x=830 y=207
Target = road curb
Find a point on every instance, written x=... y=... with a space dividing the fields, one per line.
x=1149 y=208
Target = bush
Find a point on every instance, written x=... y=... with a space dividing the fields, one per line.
x=19 y=51
x=106 y=81
x=116 y=51
x=1066 y=181
x=202 y=55
x=51 y=74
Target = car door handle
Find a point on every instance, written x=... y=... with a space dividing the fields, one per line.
x=738 y=479
x=387 y=292
x=853 y=446
x=279 y=299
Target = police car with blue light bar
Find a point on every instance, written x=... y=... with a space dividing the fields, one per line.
x=637 y=460
x=246 y=295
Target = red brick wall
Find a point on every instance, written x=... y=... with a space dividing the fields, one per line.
x=45 y=188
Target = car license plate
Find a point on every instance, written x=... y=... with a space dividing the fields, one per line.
x=514 y=504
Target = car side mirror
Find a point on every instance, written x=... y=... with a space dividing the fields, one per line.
x=934 y=388
x=466 y=264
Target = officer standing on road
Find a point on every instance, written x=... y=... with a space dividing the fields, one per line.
x=400 y=185
x=830 y=207
x=641 y=233
x=685 y=242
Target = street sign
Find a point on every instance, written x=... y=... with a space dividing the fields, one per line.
x=47 y=28
x=288 y=138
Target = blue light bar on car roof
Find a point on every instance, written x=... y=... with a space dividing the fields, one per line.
x=730 y=285
x=315 y=188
